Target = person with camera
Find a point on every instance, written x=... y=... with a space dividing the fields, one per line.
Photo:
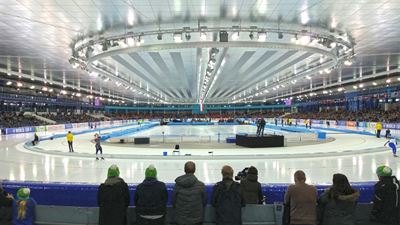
x=250 y=187
x=227 y=199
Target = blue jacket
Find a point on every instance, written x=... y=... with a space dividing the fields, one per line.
x=30 y=213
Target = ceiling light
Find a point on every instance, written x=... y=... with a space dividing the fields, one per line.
x=19 y=84
x=308 y=77
x=50 y=90
x=355 y=87
x=361 y=85
x=325 y=92
x=178 y=37
x=340 y=89
x=94 y=74
x=130 y=41
x=44 y=88
x=347 y=63
x=78 y=94
x=63 y=92
x=159 y=36
x=235 y=35
x=398 y=78
x=388 y=81
x=203 y=36
x=262 y=36
x=374 y=83
x=9 y=83
x=32 y=87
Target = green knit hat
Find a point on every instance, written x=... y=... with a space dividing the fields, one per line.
x=23 y=193
x=384 y=171
x=113 y=171
x=151 y=171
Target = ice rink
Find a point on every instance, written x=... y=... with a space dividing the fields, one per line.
x=355 y=155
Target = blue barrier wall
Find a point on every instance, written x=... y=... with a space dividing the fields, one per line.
x=73 y=194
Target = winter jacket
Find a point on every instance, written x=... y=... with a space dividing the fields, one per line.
x=228 y=202
x=6 y=209
x=188 y=200
x=337 y=212
x=30 y=213
x=113 y=200
x=385 y=209
x=251 y=189
x=151 y=197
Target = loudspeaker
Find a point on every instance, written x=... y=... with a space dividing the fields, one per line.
x=223 y=36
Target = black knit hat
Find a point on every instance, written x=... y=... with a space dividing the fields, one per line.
x=252 y=170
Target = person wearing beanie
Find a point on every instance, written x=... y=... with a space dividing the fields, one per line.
x=227 y=199
x=189 y=197
x=386 y=209
x=113 y=199
x=6 y=207
x=251 y=188
x=151 y=199
x=24 y=208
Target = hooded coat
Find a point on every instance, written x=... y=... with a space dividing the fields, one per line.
x=386 y=207
x=251 y=189
x=6 y=208
x=339 y=211
x=113 y=200
x=151 y=197
x=188 y=200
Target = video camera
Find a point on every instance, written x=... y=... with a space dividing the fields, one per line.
x=242 y=174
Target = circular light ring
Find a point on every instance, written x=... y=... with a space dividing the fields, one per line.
x=318 y=32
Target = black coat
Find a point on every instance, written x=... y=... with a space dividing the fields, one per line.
x=151 y=197
x=251 y=190
x=113 y=200
x=337 y=212
x=386 y=208
x=188 y=200
x=6 y=209
x=228 y=202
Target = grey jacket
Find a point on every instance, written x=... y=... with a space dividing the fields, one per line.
x=188 y=200
x=337 y=212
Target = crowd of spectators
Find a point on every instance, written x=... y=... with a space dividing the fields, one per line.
x=392 y=116
x=189 y=115
x=63 y=118
x=13 y=119
x=302 y=204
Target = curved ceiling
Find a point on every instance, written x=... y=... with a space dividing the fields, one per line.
x=36 y=38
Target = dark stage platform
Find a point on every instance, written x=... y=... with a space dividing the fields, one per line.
x=252 y=141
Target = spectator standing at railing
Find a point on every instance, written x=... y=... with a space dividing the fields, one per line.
x=227 y=199
x=151 y=200
x=24 y=208
x=338 y=203
x=302 y=201
x=386 y=209
x=189 y=197
x=251 y=188
x=70 y=139
x=113 y=199
x=6 y=207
